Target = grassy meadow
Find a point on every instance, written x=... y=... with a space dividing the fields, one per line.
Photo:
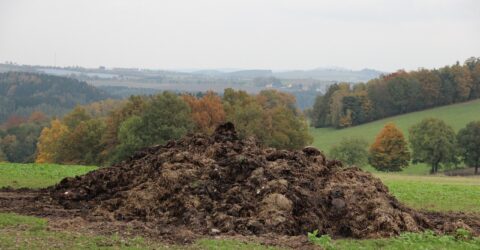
x=434 y=193
x=456 y=115
x=37 y=175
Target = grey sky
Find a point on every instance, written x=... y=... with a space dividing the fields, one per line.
x=273 y=34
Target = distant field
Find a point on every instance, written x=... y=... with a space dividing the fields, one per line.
x=456 y=115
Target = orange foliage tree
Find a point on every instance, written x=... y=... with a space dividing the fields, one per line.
x=207 y=112
x=389 y=152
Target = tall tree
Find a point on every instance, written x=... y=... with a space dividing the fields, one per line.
x=271 y=117
x=469 y=143
x=243 y=111
x=321 y=108
x=75 y=117
x=430 y=86
x=83 y=143
x=166 y=116
x=134 y=106
x=463 y=82
x=389 y=152
x=474 y=66
x=433 y=142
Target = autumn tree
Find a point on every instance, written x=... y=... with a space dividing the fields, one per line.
x=134 y=106
x=430 y=85
x=474 y=65
x=469 y=143
x=400 y=92
x=389 y=152
x=462 y=81
x=166 y=116
x=207 y=111
x=75 y=117
x=270 y=116
x=242 y=110
x=82 y=144
x=351 y=151
x=433 y=142
x=285 y=129
x=49 y=143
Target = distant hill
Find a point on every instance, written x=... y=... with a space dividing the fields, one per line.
x=331 y=74
x=21 y=93
x=455 y=115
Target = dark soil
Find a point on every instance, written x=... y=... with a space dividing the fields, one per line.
x=223 y=185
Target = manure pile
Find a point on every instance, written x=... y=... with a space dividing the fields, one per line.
x=221 y=184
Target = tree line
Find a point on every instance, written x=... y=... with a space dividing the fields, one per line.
x=141 y=121
x=22 y=93
x=432 y=141
x=345 y=105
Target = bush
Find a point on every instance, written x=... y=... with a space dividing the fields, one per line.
x=351 y=151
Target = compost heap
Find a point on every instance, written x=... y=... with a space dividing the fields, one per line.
x=223 y=184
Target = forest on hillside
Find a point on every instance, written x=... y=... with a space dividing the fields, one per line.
x=22 y=93
x=345 y=105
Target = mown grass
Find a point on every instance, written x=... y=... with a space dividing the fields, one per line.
x=410 y=241
x=423 y=192
x=37 y=175
x=456 y=115
x=435 y=193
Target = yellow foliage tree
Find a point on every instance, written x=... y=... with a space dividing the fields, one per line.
x=49 y=143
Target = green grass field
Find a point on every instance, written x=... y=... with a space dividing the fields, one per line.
x=424 y=192
x=457 y=116
x=37 y=175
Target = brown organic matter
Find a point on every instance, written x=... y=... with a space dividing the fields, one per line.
x=223 y=184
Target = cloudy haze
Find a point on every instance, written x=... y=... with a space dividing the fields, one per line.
x=275 y=34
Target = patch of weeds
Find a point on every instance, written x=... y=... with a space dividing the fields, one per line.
x=324 y=240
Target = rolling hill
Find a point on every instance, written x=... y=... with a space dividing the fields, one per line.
x=456 y=115
x=21 y=93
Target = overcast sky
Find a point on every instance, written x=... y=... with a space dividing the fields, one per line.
x=270 y=34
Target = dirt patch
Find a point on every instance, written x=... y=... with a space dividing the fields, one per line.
x=221 y=186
